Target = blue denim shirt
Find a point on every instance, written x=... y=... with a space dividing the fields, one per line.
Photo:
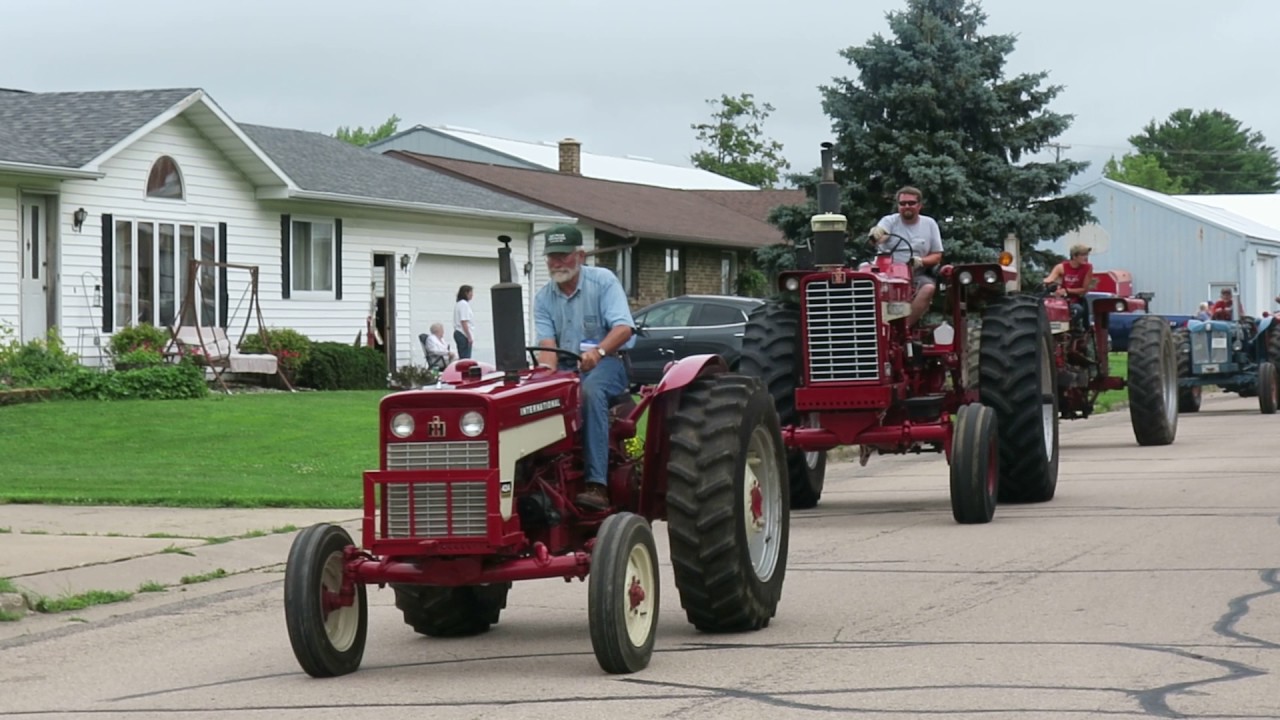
x=598 y=304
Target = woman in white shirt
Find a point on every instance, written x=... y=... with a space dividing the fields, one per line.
x=464 y=322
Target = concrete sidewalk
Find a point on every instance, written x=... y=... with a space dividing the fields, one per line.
x=58 y=551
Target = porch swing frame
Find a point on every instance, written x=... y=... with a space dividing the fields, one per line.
x=215 y=349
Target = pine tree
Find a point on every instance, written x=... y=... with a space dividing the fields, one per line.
x=932 y=108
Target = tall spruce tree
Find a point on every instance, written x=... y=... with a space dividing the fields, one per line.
x=932 y=108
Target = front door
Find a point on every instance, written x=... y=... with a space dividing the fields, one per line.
x=34 y=267
x=384 y=305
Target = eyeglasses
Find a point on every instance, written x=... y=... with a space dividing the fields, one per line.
x=908 y=203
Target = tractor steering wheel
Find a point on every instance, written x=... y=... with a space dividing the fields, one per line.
x=560 y=352
x=880 y=249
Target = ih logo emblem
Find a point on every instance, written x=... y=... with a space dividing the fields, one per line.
x=838 y=276
x=436 y=427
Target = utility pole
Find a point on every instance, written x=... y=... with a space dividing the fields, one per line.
x=1058 y=148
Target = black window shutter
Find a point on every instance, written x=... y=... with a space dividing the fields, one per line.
x=285 y=281
x=108 y=266
x=224 y=299
x=337 y=259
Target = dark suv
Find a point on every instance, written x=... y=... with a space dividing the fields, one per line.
x=688 y=325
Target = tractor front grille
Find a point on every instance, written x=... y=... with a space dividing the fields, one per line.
x=841 y=331
x=468 y=455
x=437 y=510
x=1210 y=347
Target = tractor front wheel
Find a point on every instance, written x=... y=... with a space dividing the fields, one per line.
x=771 y=352
x=451 y=611
x=727 y=516
x=327 y=636
x=975 y=464
x=1018 y=381
x=622 y=594
x=1153 y=381
x=1188 y=397
x=1268 y=388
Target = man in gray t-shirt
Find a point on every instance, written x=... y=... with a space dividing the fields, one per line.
x=925 y=241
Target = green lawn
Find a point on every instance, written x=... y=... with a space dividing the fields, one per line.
x=1119 y=367
x=250 y=450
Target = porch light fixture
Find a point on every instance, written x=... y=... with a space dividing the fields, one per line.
x=404 y=263
x=78 y=218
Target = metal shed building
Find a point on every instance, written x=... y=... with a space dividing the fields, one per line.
x=1184 y=248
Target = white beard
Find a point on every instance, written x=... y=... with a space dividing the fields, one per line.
x=563 y=275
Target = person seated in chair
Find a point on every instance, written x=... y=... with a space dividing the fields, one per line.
x=1074 y=277
x=439 y=354
x=584 y=310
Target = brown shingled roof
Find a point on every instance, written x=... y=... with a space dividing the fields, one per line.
x=625 y=209
x=756 y=203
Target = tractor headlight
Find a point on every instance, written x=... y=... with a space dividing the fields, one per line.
x=966 y=277
x=472 y=424
x=793 y=284
x=402 y=425
x=989 y=276
x=1120 y=307
x=1237 y=345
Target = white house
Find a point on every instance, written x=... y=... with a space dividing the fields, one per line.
x=466 y=144
x=1185 y=248
x=105 y=196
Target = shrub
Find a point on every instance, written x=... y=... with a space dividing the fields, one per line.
x=411 y=377
x=131 y=338
x=140 y=358
x=751 y=283
x=291 y=348
x=160 y=382
x=36 y=363
x=338 y=366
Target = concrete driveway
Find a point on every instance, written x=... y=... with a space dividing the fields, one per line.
x=1150 y=587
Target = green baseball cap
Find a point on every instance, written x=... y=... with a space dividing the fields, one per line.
x=562 y=239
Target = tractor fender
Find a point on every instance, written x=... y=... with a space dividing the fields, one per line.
x=1265 y=323
x=680 y=373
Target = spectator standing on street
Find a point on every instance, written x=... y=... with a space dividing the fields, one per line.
x=464 y=322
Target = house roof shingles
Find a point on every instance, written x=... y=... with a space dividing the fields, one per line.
x=756 y=203
x=321 y=163
x=69 y=129
x=625 y=209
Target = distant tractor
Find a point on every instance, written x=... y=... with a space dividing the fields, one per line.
x=844 y=368
x=1082 y=357
x=1238 y=357
x=474 y=491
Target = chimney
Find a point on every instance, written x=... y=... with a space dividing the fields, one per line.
x=570 y=156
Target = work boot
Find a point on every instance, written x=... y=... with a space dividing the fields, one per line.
x=595 y=497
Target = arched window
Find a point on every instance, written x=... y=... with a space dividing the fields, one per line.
x=165 y=181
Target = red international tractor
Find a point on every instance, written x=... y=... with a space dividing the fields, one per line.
x=1082 y=357
x=844 y=368
x=474 y=491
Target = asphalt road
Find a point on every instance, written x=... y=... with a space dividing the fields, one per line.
x=1150 y=587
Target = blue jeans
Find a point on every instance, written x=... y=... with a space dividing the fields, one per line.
x=606 y=380
x=464 y=345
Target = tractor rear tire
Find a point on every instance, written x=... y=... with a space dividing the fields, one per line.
x=1018 y=381
x=1188 y=397
x=727 y=514
x=975 y=465
x=327 y=641
x=1272 y=342
x=1153 y=381
x=451 y=611
x=1268 y=388
x=771 y=352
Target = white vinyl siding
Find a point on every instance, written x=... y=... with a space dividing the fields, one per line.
x=9 y=258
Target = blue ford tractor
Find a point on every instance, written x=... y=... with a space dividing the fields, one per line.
x=1239 y=357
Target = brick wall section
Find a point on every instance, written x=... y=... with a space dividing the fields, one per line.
x=701 y=276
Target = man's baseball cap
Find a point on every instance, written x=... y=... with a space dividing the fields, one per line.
x=563 y=239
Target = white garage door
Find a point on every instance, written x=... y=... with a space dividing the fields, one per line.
x=436 y=279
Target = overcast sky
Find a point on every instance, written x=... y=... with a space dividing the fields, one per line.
x=628 y=78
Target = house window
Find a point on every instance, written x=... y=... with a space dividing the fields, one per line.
x=728 y=272
x=152 y=269
x=623 y=268
x=311 y=254
x=165 y=181
x=675 y=272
